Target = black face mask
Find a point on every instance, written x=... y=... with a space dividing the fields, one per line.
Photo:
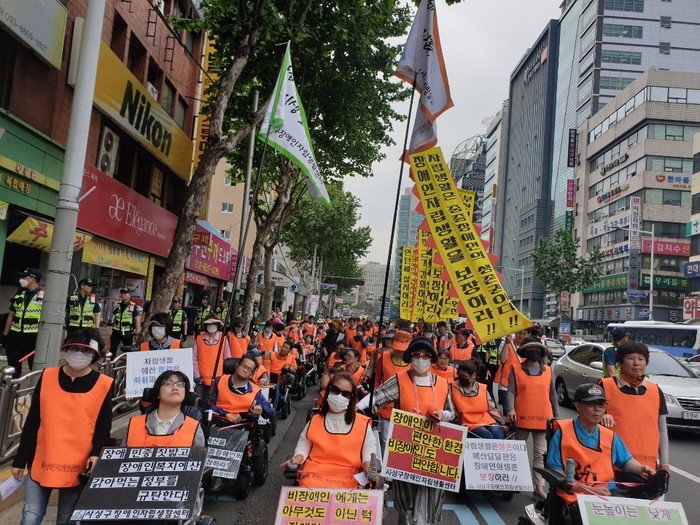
x=533 y=355
x=463 y=381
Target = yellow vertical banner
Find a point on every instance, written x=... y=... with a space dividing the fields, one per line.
x=406 y=293
x=488 y=306
x=425 y=259
x=149 y=277
x=469 y=200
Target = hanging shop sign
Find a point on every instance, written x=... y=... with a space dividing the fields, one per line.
x=573 y=148
x=613 y=164
x=614 y=192
x=667 y=248
x=37 y=233
x=112 y=255
x=212 y=259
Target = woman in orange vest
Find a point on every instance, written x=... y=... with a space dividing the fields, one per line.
x=508 y=357
x=68 y=423
x=336 y=358
x=463 y=349
x=637 y=407
x=336 y=443
x=352 y=366
x=532 y=400
x=205 y=352
x=474 y=405
x=443 y=368
x=238 y=341
x=159 y=327
x=167 y=425
x=261 y=377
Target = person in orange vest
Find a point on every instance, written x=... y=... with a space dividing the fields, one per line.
x=445 y=338
x=508 y=357
x=261 y=376
x=351 y=364
x=278 y=330
x=235 y=394
x=420 y=391
x=359 y=343
x=443 y=368
x=159 y=327
x=594 y=448
x=337 y=443
x=205 y=352
x=463 y=349
x=474 y=404
x=308 y=327
x=637 y=407
x=282 y=360
x=68 y=423
x=166 y=425
x=336 y=358
x=293 y=332
x=350 y=329
x=532 y=400
x=238 y=341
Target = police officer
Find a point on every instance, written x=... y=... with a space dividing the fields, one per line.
x=222 y=312
x=22 y=325
x=127 y=321
x=179 y=318
x=203 y=312
x=489 y=354
x=83 y=309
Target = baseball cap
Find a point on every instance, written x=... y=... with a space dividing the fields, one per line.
x=32 y=272
x=389 y=335
x=124 y=290
x=401 y=340
x=589 y=392
x=617 y=334
x=86 y=281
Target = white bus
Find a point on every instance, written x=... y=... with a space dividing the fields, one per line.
x=680 y=340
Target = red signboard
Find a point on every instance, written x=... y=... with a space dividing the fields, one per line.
x=196 y=278
x=113 y=211
x=681 y=249
x=570 y=193
x=212 y=259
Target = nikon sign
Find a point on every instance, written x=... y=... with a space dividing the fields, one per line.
x=121 y=97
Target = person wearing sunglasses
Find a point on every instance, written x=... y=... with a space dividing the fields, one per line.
x=234 y=395
x=68 y=423
x=337 y=443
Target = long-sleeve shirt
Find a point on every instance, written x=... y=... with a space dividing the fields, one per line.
x=260 y=399
x=208 y=338
x=79 y=385
x=533 y=370
x=335 y=424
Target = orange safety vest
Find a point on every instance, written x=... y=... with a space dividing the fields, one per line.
x=389 y=369
x=532 y=405
x=232 y=402
x=429 y=399
x=64 y=439
x=310 y=329
x=145 y=346
x=636 y=419
x=238 y=345
x=445 y=341
x=206 y=358
x=334 y=458
x=356 y=375
x=294 y=335
x=503 y=373
x=258 y=374
x=266 y=344
x=462 y=354
x=350 y=334
x=593 y=466
x=277 y=363
x=138 y=436
x=450 y=373
x=332 y=360
x=473 y=410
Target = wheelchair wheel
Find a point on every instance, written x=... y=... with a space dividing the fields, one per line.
x=284 y=412
x=243 y=482
x=261 y=464
x=272 y=425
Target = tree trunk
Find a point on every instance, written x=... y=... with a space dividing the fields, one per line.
x=266 y=302
x=252 y=283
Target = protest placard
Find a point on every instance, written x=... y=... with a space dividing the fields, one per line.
x=329 y=506
x=628 y=511
x=493 y=464
x=152 y=483
x=422 y=451
x=142 y=368
x=225 y=448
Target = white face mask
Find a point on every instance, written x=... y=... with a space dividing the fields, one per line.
x=23 y=283
x=267 y=331
x=420 y=365
x=78 y=360
x=337 y=403
x=212 y=328
x=158 y=332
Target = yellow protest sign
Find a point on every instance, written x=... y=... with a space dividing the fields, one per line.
x=488 y=306
x=406 y=293
x=112 y=255
x=37 y=233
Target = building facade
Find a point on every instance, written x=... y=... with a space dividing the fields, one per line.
x=496 y=146
x=691 y=304
x=407 y=225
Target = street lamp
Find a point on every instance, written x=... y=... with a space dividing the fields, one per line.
x=522 y=281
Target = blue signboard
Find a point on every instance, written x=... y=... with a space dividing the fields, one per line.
x=691 y=269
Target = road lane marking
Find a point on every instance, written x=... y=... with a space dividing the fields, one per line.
x=463 y=513
x=485 y=509
x=685 y=474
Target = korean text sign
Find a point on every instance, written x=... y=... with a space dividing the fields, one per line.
x=492 y=464
x=225 y=448
x=142 y=368
x=422 y=451
x=329 y=506
x=629 y=511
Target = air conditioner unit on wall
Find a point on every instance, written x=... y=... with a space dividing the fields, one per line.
x=109 y=148
x=152 y=90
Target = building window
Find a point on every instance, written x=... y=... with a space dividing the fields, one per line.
x=119 y=36
x=226 y=207
x=665 y=48
x=180 y=112
x=616 y=83
x=136 y=59
x=613 y=56
x=228 y=180
x=636 y=6
x=226 y=234
x=167 y=96
x=623 y=31
x=665 y=21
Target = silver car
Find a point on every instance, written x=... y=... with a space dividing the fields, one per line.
x=694 y=364
x=681 y=387
x=556 y=349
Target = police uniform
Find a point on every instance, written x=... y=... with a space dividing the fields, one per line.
x=21 y=341
x=125 y=315
x=179 y=318
x=81 y=311
x=202 y=313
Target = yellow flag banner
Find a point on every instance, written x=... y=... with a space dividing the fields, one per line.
x=406 y=294
x=425 y=261
x=38 y=233
x=469 y=200
x=488 y=306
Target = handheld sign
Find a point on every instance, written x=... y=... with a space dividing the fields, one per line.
x=225 y=451
x=596 y=510
x=493 y=464
x=142 y=368
x=152 y=483
x=422 y=451
x=329 y=506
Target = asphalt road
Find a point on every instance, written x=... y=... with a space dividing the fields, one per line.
x=475 y=508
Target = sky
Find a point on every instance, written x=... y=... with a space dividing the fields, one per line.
x=482 y=42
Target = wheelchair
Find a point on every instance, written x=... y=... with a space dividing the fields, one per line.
x=554 y=510
x=285 y=383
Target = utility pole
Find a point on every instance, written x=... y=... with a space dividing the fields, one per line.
x=53 y=313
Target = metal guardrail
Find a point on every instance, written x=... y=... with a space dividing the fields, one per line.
x=16 y=397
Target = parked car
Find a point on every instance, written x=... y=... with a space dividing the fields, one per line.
x=556 y=349
x=694 y=364
x=572 y=344
x=681 y=387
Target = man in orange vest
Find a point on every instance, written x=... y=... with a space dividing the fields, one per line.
x=205 y=355
x=234 y=394
x=238 y=341
x=463 y=349
x=594 y=448
x=508 y=356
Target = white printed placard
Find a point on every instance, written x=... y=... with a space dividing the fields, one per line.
x=608 y=510
x=143 y=368
x=496 y=464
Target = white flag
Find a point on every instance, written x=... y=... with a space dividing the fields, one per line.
x=422 y=59
x=424 y=135
x=289 y=132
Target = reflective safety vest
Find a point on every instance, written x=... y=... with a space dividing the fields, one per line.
x=238 y=345
x=421 y=400
x=636 y=419
x=124 y=318
x=605 y=363
x=206 y=358
x=450 y=373
x=138 y=436
x=266 y=344
x=232 y=402
x=177 y=317
x=64 y=440
x=277 y=363
x=389 y=369
x=473 y=410
x=334 y=458
x=592 y=466
x=532 y=405
x=503 y=372
x=445 y=341
x=222 y=313
x=491 y=351
x=462 y=354
x=202 y=314
x=81 y=314
x=146 y=346
x=309 y=328
x=26 y=320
